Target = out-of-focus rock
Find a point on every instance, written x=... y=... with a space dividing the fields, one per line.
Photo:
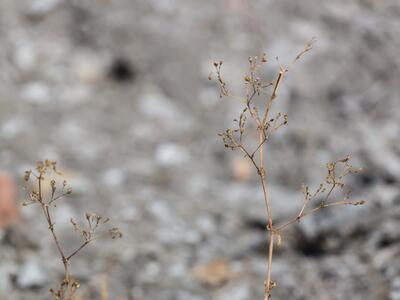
x=63 y=215
x=113 y=177
x=162 y=110
x=150 y=272
x=155 y=104
x=9 y=213
x=234 y=291
x=170 y=154
x=25 y=57
x=215 y=273
x=17 y=237
x=89 y=67
x=183 y=295
x=41 y=8
x=236 y=7
x=242 y=168
x=121 y=70
x=12 y=127
x=36 y=93
x=161 y=211
x=164 y=6
x=31 y=275
x=8 y=267
x=395 y=289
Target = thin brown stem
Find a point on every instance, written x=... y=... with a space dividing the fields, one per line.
x=321 y=206
x=273 y=96
x=78 y=249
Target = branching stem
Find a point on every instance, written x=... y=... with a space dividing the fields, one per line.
x=265 y=128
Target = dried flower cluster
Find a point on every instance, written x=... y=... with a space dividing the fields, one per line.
x=257 y=102
x=34 y=185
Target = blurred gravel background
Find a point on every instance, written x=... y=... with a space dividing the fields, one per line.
x=116 y=91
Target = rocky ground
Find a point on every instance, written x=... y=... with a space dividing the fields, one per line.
x=117 y=93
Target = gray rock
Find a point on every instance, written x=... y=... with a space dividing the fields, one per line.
x=40 y=8
x=36 y=93
x=170 y=154
x=395 y=289
x=31 y=274
x=234 y=291
x=6 y=270
x=113 y=177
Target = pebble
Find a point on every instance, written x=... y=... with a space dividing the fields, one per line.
x=36 y=93
x=31 y=275
x=395 y=289
x=9 y=211
x=89 y=68
x=113 y=177
x=234 y=291
x=171 y=154
x=12 y=127
x=6 y=270
x=40 y=8
x=155 y=104
x=24 y=55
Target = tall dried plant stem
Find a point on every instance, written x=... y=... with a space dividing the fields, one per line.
x=65 y=260
x=262 y=127
x=263 y=177
x=267 y=125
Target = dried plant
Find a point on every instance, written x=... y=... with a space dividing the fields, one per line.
x=263 y=93
x=91 y=231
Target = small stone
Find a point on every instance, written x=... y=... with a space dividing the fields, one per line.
x=170 y=154
x=89 y=68
x=36 y=92
x=7 y=268
x=395 y=289
x=9 y=213
x=234 y=292
x=184 y=295
x=150 y=272
x=161 y=211
x=165 y=6
x=242 y=169
x=193 y=237
x=31 y=275
x=12 y=127
x=214 y=273
x=24 y=56
x=137 y=292
x=177 y=270
x=63 y=215
x=121 y=70
x=40 y=8
x=206 y=224
x=154 y=104
x=113 y=177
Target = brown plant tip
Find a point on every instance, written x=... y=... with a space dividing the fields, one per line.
x=362 y=202
x=115 y=233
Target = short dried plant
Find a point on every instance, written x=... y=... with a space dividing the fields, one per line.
x=95 y=227
x=256 y=119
